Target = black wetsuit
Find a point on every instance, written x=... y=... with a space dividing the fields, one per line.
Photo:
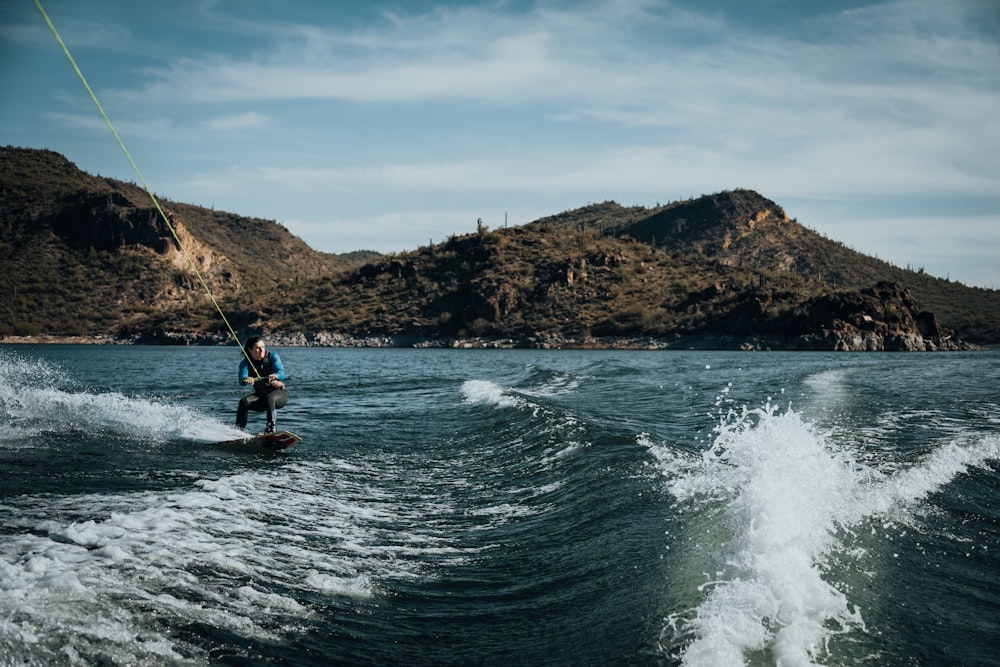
x=266 y=396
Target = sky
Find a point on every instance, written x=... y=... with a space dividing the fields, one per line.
x=389 y=125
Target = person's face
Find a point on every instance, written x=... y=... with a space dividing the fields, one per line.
x=258 y=350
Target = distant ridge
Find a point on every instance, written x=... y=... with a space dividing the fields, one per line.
x=88 y=256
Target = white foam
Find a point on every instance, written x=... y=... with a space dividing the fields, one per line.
x=505 y=512
x=564 y=450
x=241 y=553
x=358 y=586
x=489 y=393
x=43 y=400
x=785 y=494
x=888 y=494
x=46 y=410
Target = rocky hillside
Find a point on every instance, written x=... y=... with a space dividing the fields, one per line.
x=541 y=286
x=89 y=255
x=741 y=228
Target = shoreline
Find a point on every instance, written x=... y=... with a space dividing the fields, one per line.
x=825 y=341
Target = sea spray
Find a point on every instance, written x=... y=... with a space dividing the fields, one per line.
x=789 y=499
x=781 y=485
x=41 y=398
x=489 y=393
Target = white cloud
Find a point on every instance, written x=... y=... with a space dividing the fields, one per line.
x=95 y=123
x=240 y=121
x=735 y=91
x=463 y=106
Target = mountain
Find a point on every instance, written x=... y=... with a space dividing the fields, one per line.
x=90 y=255
x=543 y=285
x=86 y=255
x=742 y=229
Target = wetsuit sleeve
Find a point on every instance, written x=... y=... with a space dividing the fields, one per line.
x=244 y=370
x=277 y=367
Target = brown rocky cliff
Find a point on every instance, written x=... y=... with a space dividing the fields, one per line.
x=735 y=227
x=92 y=254
x=112 y=222
x=884 y=317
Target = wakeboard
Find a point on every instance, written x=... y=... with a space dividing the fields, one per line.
x=261 y=443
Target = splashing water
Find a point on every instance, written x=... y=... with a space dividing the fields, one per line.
x=38 y=398
x=788 y=497
x=485 y=392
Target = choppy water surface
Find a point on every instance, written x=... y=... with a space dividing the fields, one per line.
x=501 y=507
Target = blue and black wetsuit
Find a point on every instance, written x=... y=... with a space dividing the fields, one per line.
x=267 y=395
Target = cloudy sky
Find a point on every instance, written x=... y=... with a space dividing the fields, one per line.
x=390 y=124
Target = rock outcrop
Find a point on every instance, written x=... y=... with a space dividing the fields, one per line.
x=884 y=317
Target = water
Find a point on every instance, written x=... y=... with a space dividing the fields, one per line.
x=501 y=507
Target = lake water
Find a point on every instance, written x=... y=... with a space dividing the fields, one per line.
x=502 y=507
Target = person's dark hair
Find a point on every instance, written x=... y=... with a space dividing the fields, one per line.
x=249 y=345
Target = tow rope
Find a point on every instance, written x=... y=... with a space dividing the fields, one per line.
x=142 y=180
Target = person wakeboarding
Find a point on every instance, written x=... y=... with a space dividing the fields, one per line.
x=267 y=376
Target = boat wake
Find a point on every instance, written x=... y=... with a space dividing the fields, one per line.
x=40 y=400
x=790 y=503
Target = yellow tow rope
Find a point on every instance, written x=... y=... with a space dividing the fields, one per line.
x=142 y=180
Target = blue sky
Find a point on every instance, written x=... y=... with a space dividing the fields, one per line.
x=390 y=125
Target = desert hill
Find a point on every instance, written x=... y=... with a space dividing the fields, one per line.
x=741 y=228
x=86 y=255
x=91 y=255
x=536 y=285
